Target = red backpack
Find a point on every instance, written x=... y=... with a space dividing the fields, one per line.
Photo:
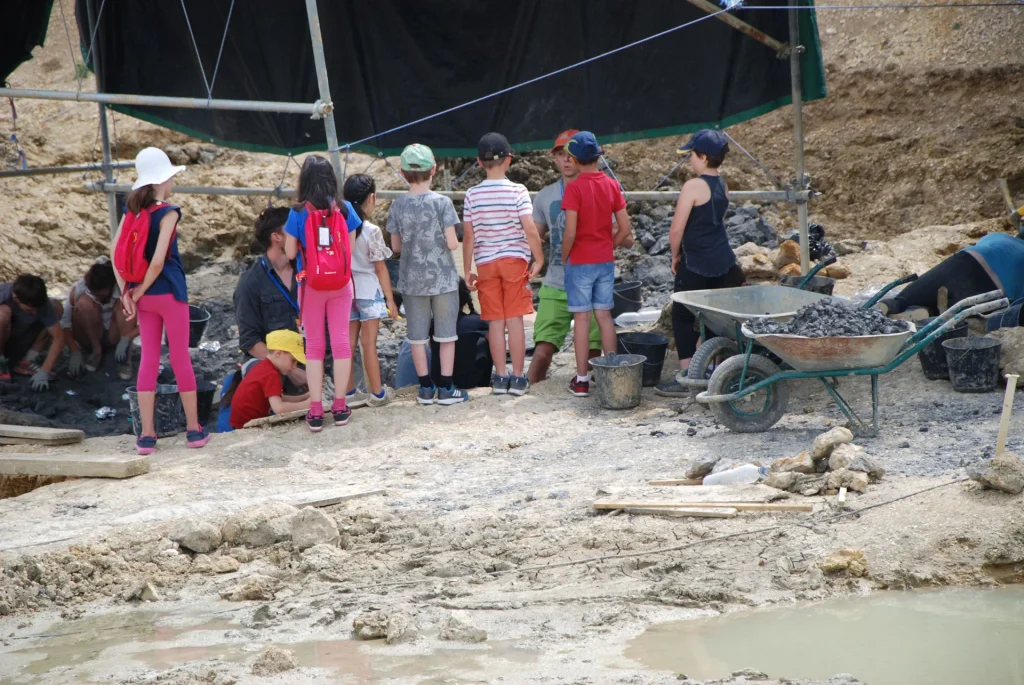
x=327 y=257
x=130 y=252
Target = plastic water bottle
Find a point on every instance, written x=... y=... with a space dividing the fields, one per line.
x=748 y=473
x=636 y=318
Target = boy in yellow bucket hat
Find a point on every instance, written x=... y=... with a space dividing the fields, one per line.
x=262 y=390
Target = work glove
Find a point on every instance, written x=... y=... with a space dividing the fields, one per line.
x=121 y=353
x=75 y=363
x=41 y=380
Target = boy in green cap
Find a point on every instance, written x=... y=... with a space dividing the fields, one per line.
x=422 y=228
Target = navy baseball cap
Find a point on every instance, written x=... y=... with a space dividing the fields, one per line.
x=583 y=147
x=493 y=146
x=706 y=142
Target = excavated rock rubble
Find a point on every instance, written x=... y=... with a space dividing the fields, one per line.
x=830 y=317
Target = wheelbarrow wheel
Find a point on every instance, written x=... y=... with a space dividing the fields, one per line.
x=705 y=359
x=756 y=412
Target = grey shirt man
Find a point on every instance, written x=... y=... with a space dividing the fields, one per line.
x=427 y=266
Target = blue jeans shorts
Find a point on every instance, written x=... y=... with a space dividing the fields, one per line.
x=590 y=286
x=366 y=310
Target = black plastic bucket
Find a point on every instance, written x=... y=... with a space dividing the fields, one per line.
x=650 y=345
x=933 y=357
x=169 y=416
x=973 y=363
x=626 y=297
x=817 y=284
x=1005 y=318
x=198 y=320
x=205 y=392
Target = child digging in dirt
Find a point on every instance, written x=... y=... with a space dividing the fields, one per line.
x=94 y=320
x=159 y=298
x=588 y=252
x=28 y=319
x=422 y=228
x=373 y=297
x=324 y=231
x=499 y=234
x=262 y=390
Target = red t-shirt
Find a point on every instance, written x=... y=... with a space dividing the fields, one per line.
x=594 y=198
x=252 y=398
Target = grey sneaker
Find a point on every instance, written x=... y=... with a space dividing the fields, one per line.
x=672 y=389
x=374 y=401
x=124 y=371
x=357 y=398
x=499 y=384
x=426 y=395
x=519 y=385
x=451 y=395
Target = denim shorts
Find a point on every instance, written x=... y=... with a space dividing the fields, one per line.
x=369 y=309
x=590 y=286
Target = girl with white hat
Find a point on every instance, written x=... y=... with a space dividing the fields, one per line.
x=160 y=299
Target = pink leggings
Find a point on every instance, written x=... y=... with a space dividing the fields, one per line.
x=157 y=312
x=334 y=307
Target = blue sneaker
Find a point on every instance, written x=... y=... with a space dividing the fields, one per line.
x=500 y=384
x=426 y=395
x=145 y=445
x=451 y=395
x=196 y=439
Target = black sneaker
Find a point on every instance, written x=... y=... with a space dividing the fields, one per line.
x=500 y=384
x=342 y=415
x=426 y=395
x=451 y=395
x=315 y=422
x=519 y=385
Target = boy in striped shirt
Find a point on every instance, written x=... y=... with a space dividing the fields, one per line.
x=500 y=235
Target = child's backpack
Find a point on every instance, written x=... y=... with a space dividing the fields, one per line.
x=130 y=252
x=327 y=257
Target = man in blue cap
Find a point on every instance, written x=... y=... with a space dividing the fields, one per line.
x=701 y=256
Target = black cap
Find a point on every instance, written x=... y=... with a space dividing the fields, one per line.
x=493 y=146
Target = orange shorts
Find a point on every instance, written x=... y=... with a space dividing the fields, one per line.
x=504 y=289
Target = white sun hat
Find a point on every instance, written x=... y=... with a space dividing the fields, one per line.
x=153 y=167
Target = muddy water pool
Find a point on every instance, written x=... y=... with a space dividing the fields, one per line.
x=943 y=637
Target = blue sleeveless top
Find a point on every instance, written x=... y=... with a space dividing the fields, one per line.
x=171 y=280
x=705 y=243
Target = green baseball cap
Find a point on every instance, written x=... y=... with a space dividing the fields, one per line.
x=417 y=157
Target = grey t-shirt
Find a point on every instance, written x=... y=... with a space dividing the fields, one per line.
x=547 y=210
x=427 y=266
x=22 y=321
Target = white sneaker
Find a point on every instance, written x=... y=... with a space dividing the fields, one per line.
x=374 y=401
x=357 y=399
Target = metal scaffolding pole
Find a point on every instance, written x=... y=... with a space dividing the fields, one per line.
x=796 y=51
x=54 y=170
x=325 y=90
x=108 y=171
x=316 y=109
x=632 y=196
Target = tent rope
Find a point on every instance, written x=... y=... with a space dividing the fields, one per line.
x=608 y=168
x=475 y=164
x=71 y=47
x=390 y=166
x=344 y=170
x=220 y=53
x=774 y=179
x=188 y=22
x=92 y=44
x=531 y=81
x=664 y=179
x=280 y=184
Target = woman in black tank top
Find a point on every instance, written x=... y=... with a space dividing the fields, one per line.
x=701 y=256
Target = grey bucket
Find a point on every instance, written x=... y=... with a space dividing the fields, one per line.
x=973 y=363
x=169 y=415
x=618 y=379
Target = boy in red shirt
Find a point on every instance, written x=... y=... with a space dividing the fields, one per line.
x=262 y=390
x=588 y=251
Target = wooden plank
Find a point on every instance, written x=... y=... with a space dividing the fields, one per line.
x=710 y=513
x=43 y=436
x=841 y=499
x=677 y=481
x=4 y=440
x=740 y=506
x=79 y=465
x=287 y=417
x=336 y=499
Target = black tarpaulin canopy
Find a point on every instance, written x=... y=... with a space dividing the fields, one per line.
x=391 y=62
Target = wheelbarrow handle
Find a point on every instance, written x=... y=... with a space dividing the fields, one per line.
x=882 y=293
x=817 y=267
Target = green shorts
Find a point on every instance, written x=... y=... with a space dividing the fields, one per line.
x=553 y=320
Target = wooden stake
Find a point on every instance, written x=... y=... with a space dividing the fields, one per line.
x=709 y=513
x=677 y=481
x=841 y=499
x=739 y=506
x=1004 y=422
